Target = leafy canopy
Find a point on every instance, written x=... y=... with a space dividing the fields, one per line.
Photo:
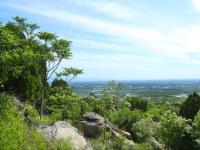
x=28 y=58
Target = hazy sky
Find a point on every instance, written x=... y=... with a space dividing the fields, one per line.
x=121 y=39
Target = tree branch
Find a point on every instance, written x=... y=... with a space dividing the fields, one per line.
x=54 y=69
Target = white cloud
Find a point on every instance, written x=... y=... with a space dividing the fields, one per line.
x=175 y=44
x=110 y=8
x=196 y=4
x=96 y=25
x=104 y=27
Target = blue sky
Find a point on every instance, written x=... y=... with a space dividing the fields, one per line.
x=121 y=39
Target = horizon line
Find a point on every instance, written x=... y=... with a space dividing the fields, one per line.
x=107 y=80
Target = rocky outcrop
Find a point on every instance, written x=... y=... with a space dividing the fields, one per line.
x=63 y=130
x=93 y=122
x=93 y=117
x=91 y=129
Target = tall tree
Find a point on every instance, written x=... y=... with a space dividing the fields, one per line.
x=191 y=106
x=28 y=59
x=115 y=91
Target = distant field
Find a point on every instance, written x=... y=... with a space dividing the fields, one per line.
x=154 y=90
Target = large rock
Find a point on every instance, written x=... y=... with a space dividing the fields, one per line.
x=92 y=123
x=91 y=129
x=63 y=130
x=93 y=117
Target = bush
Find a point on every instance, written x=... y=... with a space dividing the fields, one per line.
x=144 y=129
x=102 y=106
x=157 y=109
x=196 y=129
x=136 y=103
x=125 y=118
x=172 y=129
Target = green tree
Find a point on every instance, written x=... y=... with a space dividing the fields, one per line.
x=115 y=91
x=29 y=59
x=191 y=106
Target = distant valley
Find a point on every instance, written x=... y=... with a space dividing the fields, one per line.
x=158 y=90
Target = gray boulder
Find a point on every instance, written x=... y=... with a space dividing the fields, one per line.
x=93 y=117
x=63 y=130
x=91 y=124
x=91 y=129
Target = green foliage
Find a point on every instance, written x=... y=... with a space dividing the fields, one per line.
x=196 y=129
x=69 y=73
x=143 y=146
x=59 y=83
x=136 y=103
x=30 y=113
x=63 y=104
x=102 y=106
x=109 y=143
x=28 y=59
x=14 y=134
x=114 y=89
x=157 y=109
x=19 y=53
x=172 y=129
x=125 y=118
x=191 y=106
x=59 y=97
x=62 y=144
x=144 y=129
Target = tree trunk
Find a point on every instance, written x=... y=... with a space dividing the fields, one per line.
x=42 y=103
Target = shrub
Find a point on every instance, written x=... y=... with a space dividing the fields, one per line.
x=196 y=129
x=136 y=103
x=172 y=129
x=144 y=129
x=125 y=118
x=157 y=109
